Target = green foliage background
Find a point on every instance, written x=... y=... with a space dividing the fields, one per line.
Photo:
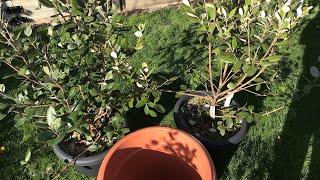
x=267 y=152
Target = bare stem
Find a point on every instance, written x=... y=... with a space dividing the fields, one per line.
x=210 y=74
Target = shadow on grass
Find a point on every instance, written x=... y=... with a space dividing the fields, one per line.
x=297 y=152
x=185 y=54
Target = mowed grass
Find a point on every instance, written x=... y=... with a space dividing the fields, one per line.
x=283 y=145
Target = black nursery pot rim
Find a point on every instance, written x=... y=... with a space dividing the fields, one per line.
x=181 y=124
x=82 y=161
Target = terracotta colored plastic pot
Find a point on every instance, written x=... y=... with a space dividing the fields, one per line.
x=157 y=153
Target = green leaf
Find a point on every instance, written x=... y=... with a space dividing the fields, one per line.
x=93 y=92
x=228 y=58
x=144 y=65
x=139 y=46
x=109 y=76
x=258 y=87
x=28 y=155
x=146 y=109
x=130 y=103
x=229 y=123
x=2 y=116
x=231 y=85
x=250 y=119
x=56 y=124
x=3 y=106
x=57 y=140
x=2 y=88
x=118 y=117
x=251 y=71
x=314 y=71
x=73 y=116
x=72 y=46
x=93 y=147
x=51 y=115
x=266 y=64
x=22 y=71
x=160 y=108
x=232 y=12
x=222 y=130
x=274 y=58
x=186 y=2
x=125 y=130
x=236 y=66
x=75 y=6
x=248 y=2
x=152 y=113
x=250 y=108
x=192 y=15
x=173 y=78
x=46 y=70
x=109 y=135
x=212 y=11
x=88 y=19
x=20 y=121
x=28 y=31
x=142 y=102
x=234 y=43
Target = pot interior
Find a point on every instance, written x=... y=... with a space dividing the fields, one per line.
x=159 y=154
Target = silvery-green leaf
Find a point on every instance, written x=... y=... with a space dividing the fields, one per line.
x=28 y=155
x=46 y=70
x=109 y=75
x=263 y=14
x=276 y=14
x=138 y=34
x=28 y=31
x=314 y=71
x=139 y=85
x=285 y=8
x=2 y=88
x=56 y=124
x=51 y=115
x=209 y=5
x=50 y=30
x=186 y=2
x=240 y=11
x=114 y=54
x=192 y=15
x=93 y=147
x=299 y=12
x=192 y=122
x=224 y=12
x=213 y=130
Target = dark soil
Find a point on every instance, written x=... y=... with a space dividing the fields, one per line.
x=74 y=148
x=202 y=122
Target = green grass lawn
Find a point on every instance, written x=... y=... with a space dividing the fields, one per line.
x=283 y=145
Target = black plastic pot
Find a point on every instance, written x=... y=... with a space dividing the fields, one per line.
x=86 y=165
x=208 y=143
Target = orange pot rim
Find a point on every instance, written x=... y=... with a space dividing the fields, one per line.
x=101 y=173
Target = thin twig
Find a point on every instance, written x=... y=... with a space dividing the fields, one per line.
x=187 y=94
x=257 y=94
x=273 y=111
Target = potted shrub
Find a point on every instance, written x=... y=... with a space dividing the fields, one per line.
x=74 y=83
x=242 y=41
